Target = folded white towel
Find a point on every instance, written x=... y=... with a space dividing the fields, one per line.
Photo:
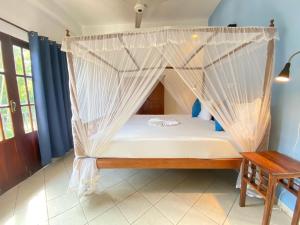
x=158 y=122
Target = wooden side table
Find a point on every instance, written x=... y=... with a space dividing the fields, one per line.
x=263 y=171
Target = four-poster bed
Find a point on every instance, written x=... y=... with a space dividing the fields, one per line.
x=228 y=69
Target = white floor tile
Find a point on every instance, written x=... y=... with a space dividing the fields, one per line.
x=172 y=207
x=122 y=173
x=280 y=218
x=20 y=221
x=31 y=192
x=96 y=205
x=73 y=216
x=108 y=181
x=125 y=173
x=28 y=201
x=55 y=169
x=152 y=217
x=225 y=182
x=7 y=204
x=194 y=217
x=57 y=185
x=143 y=177
x=161 y=186
x=60 y=204
x=134 y=206
x=6 y=218
x=216 y=206
x=34 y=215
x=192 y=188
x=112 y=217
x=252 y=214
x=120 y=191
x=68 y=162
x=108 y=172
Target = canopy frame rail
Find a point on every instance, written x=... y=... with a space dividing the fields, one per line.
x=199 y=29
x=232 y=52
x=215 y=31
x=98 y=57
x=199 y=49
x=207 y=66
x=129 y=53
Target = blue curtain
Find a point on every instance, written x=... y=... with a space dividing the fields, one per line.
x=51 y=89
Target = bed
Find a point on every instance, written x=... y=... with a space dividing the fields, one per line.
x=111 y=75
x=193 y=143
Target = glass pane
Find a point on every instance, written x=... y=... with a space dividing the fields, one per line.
x=30 y=90
x=1 y=60
x=18 y=60
x=27 y=61
x=33 y=114
x=22 y=90
x=7 y=123
x=3 y=92
x=26 y=119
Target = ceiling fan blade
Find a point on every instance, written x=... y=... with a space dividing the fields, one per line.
x=138 y=20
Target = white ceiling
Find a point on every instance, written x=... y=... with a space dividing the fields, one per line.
x=92 y=13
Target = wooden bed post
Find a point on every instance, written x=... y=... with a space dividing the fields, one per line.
x=73 y=98
x=269 y=61
x=71 y=75
x=267 y=80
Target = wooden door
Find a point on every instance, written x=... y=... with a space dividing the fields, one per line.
x=19 y=153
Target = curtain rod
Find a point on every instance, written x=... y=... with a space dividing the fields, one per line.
x=15 y=25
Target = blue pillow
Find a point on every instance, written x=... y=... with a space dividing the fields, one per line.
x=218 y=126
x=196 y=108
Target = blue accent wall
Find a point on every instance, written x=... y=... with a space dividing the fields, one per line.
x=285 y=97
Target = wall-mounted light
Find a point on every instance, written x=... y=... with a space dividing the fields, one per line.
x=284 y=75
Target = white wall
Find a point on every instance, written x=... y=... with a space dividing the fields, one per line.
x=170 y=104
x=13 y=31
x=29 y=15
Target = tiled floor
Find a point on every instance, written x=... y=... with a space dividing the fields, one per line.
x=138 y=197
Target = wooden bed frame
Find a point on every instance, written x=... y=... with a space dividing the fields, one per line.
x=176 y=163
x=169 y=163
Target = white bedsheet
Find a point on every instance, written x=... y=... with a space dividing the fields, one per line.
x=192 y=138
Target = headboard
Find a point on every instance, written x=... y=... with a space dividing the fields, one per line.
x=155 y=102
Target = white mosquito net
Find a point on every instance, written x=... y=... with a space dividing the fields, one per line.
x=178 y=90
x=111 y=75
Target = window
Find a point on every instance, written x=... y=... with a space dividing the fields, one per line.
x=25 y=87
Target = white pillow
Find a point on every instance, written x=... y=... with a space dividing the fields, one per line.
x=204 y=113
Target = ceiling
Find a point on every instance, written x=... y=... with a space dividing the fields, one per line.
x=85 y=13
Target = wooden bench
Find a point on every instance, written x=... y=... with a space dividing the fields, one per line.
x=263 y=171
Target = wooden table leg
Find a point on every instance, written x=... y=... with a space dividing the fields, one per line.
x=295 y=220
x=243 y=190
x=269 y=200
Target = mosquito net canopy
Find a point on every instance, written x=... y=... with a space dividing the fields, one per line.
x=111 y=75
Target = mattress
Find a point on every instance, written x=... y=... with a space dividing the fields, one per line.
x=191 y=138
